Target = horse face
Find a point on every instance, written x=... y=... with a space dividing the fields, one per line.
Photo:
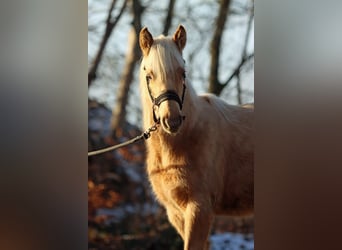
x=169 y=111
x=163 y=67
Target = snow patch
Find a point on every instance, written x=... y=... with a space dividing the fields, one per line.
x=232 y=241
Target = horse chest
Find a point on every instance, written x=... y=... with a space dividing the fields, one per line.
x=171 y=185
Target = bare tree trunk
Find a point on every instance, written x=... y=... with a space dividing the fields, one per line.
x=133 y=55
x=169 y=16
x=110 y=24
x=214 y=84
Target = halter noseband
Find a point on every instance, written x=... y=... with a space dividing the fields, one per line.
x=167 y=95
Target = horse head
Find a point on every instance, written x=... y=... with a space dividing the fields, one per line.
x=163 y=76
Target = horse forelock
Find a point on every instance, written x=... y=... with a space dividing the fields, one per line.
x=164 y=58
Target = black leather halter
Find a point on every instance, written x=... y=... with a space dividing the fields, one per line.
x=167 y=95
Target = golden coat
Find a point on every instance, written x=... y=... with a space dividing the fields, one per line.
x=204 y=165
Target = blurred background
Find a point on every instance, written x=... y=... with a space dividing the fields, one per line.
x=219 y=55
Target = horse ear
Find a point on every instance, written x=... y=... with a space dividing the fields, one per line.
x=179 y=37
x=145 y=41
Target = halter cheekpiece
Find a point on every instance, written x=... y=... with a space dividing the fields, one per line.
x=167 y=95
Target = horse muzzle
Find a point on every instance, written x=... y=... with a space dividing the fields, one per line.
x=166 y=109
x=171 y=125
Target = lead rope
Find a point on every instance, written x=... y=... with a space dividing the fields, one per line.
x=145 y=135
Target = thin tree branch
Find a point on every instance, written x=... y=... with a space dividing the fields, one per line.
x=108 y=31
x=109 y=17
x=237 y=69
x=244 y=57
x=239 y=90
x=248 y=32
x=244 y=54
x=168 y=19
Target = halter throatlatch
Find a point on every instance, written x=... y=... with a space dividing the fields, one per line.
x=167 y=95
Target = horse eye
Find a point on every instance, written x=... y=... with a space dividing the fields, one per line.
x=184 y=76
x=148 y=78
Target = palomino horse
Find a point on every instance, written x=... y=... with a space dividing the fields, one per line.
x=200 y=159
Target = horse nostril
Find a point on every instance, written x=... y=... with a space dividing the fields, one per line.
x=172 y=124
x=165 y=123
x=176 y=122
